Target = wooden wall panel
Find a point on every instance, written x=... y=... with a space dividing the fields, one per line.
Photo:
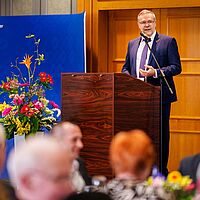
x=122 y=28
x=184 y=25
x=117 y=65
x=188 y=96
x=182 y=144
x=135 y=4
x=87 y=6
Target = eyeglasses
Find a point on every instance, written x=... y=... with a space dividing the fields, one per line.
x=146 y=22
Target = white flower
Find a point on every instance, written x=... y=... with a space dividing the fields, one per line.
x=58 y=111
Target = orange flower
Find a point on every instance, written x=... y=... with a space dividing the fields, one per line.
x=27 y=61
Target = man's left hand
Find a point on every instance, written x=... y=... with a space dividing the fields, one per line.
x=149 y=71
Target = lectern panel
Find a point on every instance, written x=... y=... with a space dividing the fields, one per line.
x=103 y=104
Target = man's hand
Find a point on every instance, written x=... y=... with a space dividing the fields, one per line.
x=149 y=71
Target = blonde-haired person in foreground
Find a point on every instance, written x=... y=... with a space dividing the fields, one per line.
x=70 y=136
x=6 y=191
x=40 y=170
x=132 y=156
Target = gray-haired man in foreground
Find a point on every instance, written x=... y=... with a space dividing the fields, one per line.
x=40 y=169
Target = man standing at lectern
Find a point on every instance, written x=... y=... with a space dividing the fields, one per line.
x=140 y=63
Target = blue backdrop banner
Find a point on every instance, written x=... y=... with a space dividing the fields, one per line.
x=62 y=43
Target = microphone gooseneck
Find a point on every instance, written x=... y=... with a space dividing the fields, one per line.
x=147 y=39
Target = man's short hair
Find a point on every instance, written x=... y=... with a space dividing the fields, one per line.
x=30 y=155
x=146 y=12
x=63 y=127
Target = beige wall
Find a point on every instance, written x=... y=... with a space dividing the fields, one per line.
x=30 y=7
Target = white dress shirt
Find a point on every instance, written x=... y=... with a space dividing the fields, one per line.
x=139 y=54
x=77 y=179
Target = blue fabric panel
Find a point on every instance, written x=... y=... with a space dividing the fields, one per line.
x=62 y=43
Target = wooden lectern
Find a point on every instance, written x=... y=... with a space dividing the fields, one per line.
x=103 y=104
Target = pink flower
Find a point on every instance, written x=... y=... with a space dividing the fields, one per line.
x=54 y=104
x=189 y=187
x=18 y=100
x=6 y=111
x=24 y=84
x=38 y=105
x=158 y=181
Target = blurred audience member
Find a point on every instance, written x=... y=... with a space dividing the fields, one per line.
x=132 y=156
x=197 y=196
x=189 y=165
x=40 y=169
x=6 y=190
x=71 y=136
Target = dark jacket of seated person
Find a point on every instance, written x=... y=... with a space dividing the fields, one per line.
x=189 y=165
x=83 y=171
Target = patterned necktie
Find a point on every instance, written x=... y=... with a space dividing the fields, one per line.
x=143 y=59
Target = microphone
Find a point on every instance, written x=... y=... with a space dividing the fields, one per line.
x=147 y=39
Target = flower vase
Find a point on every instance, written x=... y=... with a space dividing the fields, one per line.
x=18 y=139
x=39 y=133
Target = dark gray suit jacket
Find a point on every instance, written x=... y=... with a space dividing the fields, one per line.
x=189 y=165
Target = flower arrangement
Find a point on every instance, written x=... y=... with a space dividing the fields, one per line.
x=27 y=110
x=181 y=186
